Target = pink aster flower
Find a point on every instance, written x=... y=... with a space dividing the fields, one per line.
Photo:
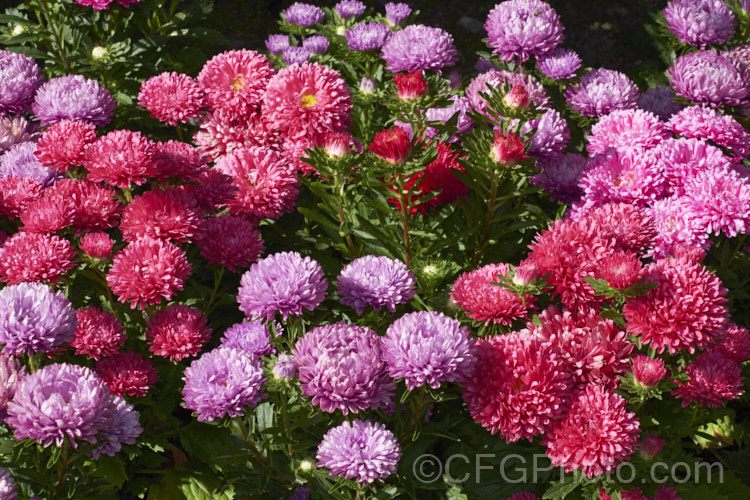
x=686 y=310
x=148 y=270
x=267 y=186
x=213 y=191
x=166 y=215
x=171 y=98
x=494 y=79
x=46 y=215
x=121 y=158
x=229 y=241
x=620 y=270
x=648 y=371
x=720 y=200
x=684 y=158
x=92 y=205
x=220 y=134
x=63 y=144
x=708 y=77
x=676 y=225
x=484 y=302
x=234 y=81
x=35 y=257
x=702 y=122
x=127 y=373
x=177 y=159
x=17 y=193
x=177 y=332
x=99 y=334
x=734 y=343
x=712 y=380
x=307 y=100
x=700 y=22
x=596 y=435
x=519 y=386
x=632 y=228
x=625 y=129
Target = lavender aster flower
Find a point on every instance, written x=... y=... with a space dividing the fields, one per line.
x=660 y=101
x=362 y=450
x=367 y=36
x=397 y=13
x=285 y=368
x=19 y=79
x=303 y=14
x=73 y=97
x=223 y=382
x=377 y=282
x=523 y=28
x=602 y=91
x=249 y=336
x=284 y=282
x=295 y=55
x=34 y=318
x=123 y=428
x=740 y=56
x=495 y=78
x=708 y=77
x=419 y=47
x=15 y=130
x=700 y=22
x=7 y=485
x=277 y=43
x=11 y=372
x=367 y=85
x=560 y=64
x=316 y=44
x=300 y=493
x=551 y=135
x=340 y=366
x=350 y=9
x=427 y=347
x=20 y=161
x=560 y=176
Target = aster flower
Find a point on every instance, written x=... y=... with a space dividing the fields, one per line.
x=229 y=241
x=602 y=91
x=285 y=367
x=11 y=372
x=632 y=228
x=17 y=193
x=367 y=85
x=180 y=160
x=20 y=161
x=519 y=29
x=377 y=282
x=684 y=158
x=316 y=44
x=7 y=485
x=223 y=382
x=46 y=215
x=250 y=336
x=350 y=9
x=123 y=426
x=295 y=55
x=35 y=257
x=391 y=145
x=15 y=130
x=710 y=78
x=277 y=43
x=620 y=270
x=127 y=373
x=99 y=333
x=517 y=98
x=559 y=64
x=497 y=79
x=700 y=22
x=95 y=4
x=234 y=81
x=519 y=386
x=720 y=200
x=397 y=13
x=362 y=450
x=551 y=135
x=734 y=343
x=93 y=206
x=712 y=380
x=20 y=77
x=484 y=302
x=427 y=348
x=460 y=105
x=73 y=97
x=676 y=225
x=647 y=371
x=596 y=435
x=63 y=144
x=303 y=14
x=365 y=37
x=686 y=310
x=284 y=282
x=171 y=98
x=213 y=191
x=220 y=134
x=705 y=123
x=625 y=129
x=121 y=158
x=148 y=270
x=341 y=367
x=660 y=101
x=507 y=150
x=560 y=176
x=166 y=215
x=307 y=100
x=337 y=145
x=419 y=47
x=177 y=332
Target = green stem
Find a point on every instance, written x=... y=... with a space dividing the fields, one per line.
x=55 y=35
x=287 y=426
x=179 y=133
x=250 y=444
x=217 y=281
x=337 y=185
x=63 y=470
x=405 y=209
x=416 y=415
x=487 y=220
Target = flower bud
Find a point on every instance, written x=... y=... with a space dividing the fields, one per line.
x=96 y=245
x=517 y=98
x=651 y=446
x=507 y=149
x=647 y=371
x=338 y=144
x=19 y=29
x=99 y=52
x=410 y=85
x=367 y=85
x=392 y=145
x=285 y=367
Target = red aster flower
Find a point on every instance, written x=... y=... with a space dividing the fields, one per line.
x=734 y=343
x=93 y=206
x=171 y=98
x=392 y=145
x=63 y=144
x=35 y=257
x=410 y=85
x=121 y=158
x=17 y=193
x=98 y=334
x=175 y=159
x=165 y=215
x=632 y=228
x=127 y=373
x=220 y=133
x=229 y=241
x=517 y=98
x=46 y=215
x=177 y=332
x=712 y=379
x=213 y=191
x=96 y=245
x=620 y=270
x=648 y=371
x=507 y=150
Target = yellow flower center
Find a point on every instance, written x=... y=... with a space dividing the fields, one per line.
x=239 y=83
x=308 y=100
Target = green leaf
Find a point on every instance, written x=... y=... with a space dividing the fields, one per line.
x=561 y=489
x=112 y=469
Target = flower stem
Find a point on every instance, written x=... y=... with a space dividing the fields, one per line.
x=405 y=209
x=487 y=220
x=415 y=416
x=217 y=281
x=55 y=35
x=63 y=470
x=337 y=185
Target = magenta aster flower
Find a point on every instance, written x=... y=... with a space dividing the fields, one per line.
x=341 y=367
x=295 y=55
x=676 y=225
x=73 y=97
x=482 y=301
x=602 y=91
x=121 y=158
x=213 y=191
x=560 y=176
x=559 y=64
x=251 y=337
x=63 y=144
x=419 y=47
x=165 y=215
x=648 y=371
x=596 y=435
x=700 y=22
x=620 y=270
x=92 y=205
x=712 y=380
x=178 y=159
x=632 y=228
x=99 y=333
x=20 y=161
x=303 y=14
x=710 y=78
x=229 y=241
x=660 y=101
x=35 y=257
x=720 y=200
x=127 y=373
x=397 y=13
x=177 y=332
x=46 y=215
x=17 y=193
x=684 y=158
x=285 y=282
x=625 y=129
x=377 y=282
x=350 y=9
x=702 y=122
x=362 y=450
x=519 y=29
x=15 y=130
x=171 y=98
x=220 y=134
x=11 y=372
x=734 y=343
x=20 y=77
x=365 y=37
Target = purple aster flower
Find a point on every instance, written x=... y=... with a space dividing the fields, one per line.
x=11 y=372
x=60 y=401
x=740 y=56
x=350 y=9
x=720 y=200
x=560 y=176
x=676 y=225
x=495 y=78
x=34 y=318
x=295 y=55
x=684 y=158
x=367 y=36
x=397 y=13
x=7 y=485
x=377 y=282
x=660 y=101
x=249 y=336
x=15 y=130
x=602 y=91
x=442 y=115
x=427 y=347
x=361 y=450
x=705 y=123
x=285 y=368
x=367 y=85
x=73 y=97
x=223 y=382
x=20 y=77
x=341 y=367
x=123 y=428
x=483 y=65
x=708 y=77
x=700 y=22
x=551 y=135
x=560 y=64
x=284 y=282
x=419 y=47
x=277 y=43
x=300 y=493
x=316 y=44
x=20 y=161
x=303 y=14
x=523 y=28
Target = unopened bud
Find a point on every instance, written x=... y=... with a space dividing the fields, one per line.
x=517 y=98
x=367 y=85
x=99 y=52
